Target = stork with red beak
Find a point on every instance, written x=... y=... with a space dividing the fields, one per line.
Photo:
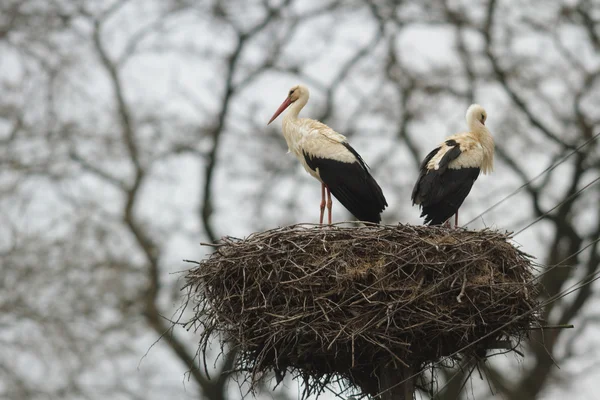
x=328 y=157
x=449 y=171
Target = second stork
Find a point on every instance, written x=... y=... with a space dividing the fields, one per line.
x=328 y=157
x=448 y=172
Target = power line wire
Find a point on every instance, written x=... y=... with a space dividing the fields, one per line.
x=550 y=168
x=571 y=197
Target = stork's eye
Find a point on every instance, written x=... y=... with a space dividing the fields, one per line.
x=482 y=117
x=291 y=92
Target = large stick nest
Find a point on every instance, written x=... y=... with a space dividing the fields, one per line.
x=342 y=302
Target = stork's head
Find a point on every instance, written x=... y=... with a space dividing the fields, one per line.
x=476 y=115
x=296 y=94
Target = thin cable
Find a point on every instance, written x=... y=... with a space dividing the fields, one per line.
x=550 y=168
x=573 y=288
x=573 y=196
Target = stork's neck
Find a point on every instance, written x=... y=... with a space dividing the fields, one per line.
x=484 y=137
x=292 y=131
x=295 y=108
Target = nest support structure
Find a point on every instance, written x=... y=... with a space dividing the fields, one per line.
x=374 y=306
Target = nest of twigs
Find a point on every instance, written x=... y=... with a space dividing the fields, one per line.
x=354 y=303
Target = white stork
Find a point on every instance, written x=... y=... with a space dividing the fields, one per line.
x=328 y=157
x=448 y=172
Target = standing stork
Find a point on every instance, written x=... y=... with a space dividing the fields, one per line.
x=328 y=157
x=448 y=172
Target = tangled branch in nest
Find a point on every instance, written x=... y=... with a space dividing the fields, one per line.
x=356 y=303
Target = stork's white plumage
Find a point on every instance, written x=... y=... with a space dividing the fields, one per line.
x=448 y=172
x=327 y=156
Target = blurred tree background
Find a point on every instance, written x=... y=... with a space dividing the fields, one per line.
x=130 y=131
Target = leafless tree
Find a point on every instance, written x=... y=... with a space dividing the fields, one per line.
x=130 y=131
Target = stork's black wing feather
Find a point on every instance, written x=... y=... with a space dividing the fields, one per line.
x=415 y=197
x=441 y=192
x=351 y=184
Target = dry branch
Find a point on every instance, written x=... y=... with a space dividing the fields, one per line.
x=363 y=304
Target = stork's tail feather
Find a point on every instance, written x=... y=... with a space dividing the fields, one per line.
x=437 y=214
x=365 y=199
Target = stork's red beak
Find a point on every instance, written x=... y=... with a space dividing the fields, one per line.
x=286 y=103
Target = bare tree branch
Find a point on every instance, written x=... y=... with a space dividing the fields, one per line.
x=503 y=79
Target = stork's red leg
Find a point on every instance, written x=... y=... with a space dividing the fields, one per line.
x=322 y=203
x=456 y=220
x=329 y=205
